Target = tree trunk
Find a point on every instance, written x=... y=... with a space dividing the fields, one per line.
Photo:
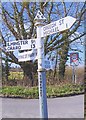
x=28 y=73
x=63 y=59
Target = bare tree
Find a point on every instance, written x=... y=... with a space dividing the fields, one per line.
x=18 y=19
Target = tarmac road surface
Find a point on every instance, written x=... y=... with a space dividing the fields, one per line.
x=64 y=107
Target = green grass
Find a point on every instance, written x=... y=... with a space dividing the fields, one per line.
x=63 y=90
x=19 y=91
x=52 y=91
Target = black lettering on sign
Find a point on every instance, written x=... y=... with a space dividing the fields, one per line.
x=61 y=21
x=32 y=44
x=25 y=42
x=56 y=29
x=19 y=47
x=7 y=43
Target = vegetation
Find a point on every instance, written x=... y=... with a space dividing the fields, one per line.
x=16 y=77
x=52 y=91
x=17 y=87
x=5 y=69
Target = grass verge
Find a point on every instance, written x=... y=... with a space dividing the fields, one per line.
x=52 y=91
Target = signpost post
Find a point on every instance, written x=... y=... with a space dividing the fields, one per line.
x=42 y=31
x=41 y=69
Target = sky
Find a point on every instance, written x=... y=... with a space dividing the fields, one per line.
x=42 y=0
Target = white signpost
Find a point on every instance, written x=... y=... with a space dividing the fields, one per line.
x=57 y=26
x=21 y=45
x=42 y=31
x=41 y=69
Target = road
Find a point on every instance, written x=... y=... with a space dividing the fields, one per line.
x=64 y=107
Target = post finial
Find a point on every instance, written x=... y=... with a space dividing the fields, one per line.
x=39 y=16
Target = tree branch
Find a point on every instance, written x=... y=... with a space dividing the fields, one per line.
x=9 y=25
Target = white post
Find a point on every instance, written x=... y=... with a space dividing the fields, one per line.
x=41 y=70
x=73 y=74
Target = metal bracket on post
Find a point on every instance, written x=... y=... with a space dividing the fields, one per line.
x=39 y=19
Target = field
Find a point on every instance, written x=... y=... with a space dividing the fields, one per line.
x=79 y=74
x=17 y=77
x=18 y=86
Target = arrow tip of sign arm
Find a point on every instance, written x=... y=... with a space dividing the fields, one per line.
x=71 y=20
